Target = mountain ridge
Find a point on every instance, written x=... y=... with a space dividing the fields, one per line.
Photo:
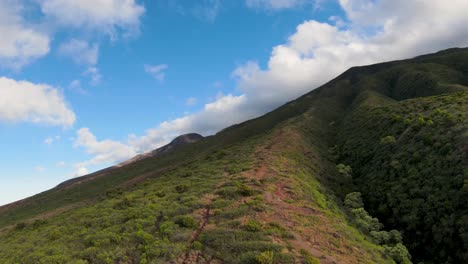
x=289 y=173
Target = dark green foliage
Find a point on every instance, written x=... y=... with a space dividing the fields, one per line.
x=399 y=253
x=353 y=200
x=186 y=221
x=20 y=226
x=414 y=184
x=370 y=225
x=181 y=188
x=343 y=170
x=244 y=190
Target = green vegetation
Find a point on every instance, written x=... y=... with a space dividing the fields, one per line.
x=391 y=241
x=414 y=180
x=369 y=168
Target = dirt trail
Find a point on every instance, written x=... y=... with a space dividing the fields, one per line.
x=289 y=209
x=194 y=257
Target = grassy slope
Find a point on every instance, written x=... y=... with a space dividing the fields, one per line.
x=230 y=204
x=266 y=185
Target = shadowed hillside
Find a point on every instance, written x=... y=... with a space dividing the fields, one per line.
x=369 y=168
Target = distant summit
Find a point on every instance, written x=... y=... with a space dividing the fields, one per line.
x=175 y=143
x=179 y=141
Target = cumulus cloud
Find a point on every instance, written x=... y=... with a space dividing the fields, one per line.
x=110 y=16
x=273 y=4
x=157 y=71
x=377 y=31
x=80 y=171
x=25 y=41
x=22 y=101
x=372 y=31
x=103 y=151
x=80 y=51
x=22 y=42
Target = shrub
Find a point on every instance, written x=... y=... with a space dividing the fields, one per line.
x=364 y=221
x=244 y=190
x=186 y=221
x=227 y=192
x=353 y=200
x=266 y=257
x=344 y=170
x=37 y=223
x=124 y=203
x=380 y=237
x=181 y=188
x=308 y=258
x=197 y=245
x=395 y=237
x=253 y=226
x=388 y=140
x=166 y=229
x=311 y=260
x=398 y=253
x=160 y=194
x=20 y=226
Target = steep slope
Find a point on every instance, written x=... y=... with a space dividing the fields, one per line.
x=271 y=190
x=228 y=205
x=409 y=160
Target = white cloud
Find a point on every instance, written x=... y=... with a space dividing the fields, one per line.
x=80 y=171
x=75 y=86
x=377 y=31
x=110 y=16
x=21 y=43
x=22 y=101
x=61 y=164
x=25 y=42
x=273 y=4
x=191 y=101
x=211 y=119
x=157 y=71
x=80 y=51
x=315 y=53
x=51 y=140
x=94 y=75
x=103 y=151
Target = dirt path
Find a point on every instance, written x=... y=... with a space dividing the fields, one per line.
x=194 y=257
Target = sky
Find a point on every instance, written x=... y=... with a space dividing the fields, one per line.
x=86 y=84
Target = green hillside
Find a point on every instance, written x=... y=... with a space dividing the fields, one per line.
x=360 y=170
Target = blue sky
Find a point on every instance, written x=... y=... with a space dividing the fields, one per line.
x=87 y=84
